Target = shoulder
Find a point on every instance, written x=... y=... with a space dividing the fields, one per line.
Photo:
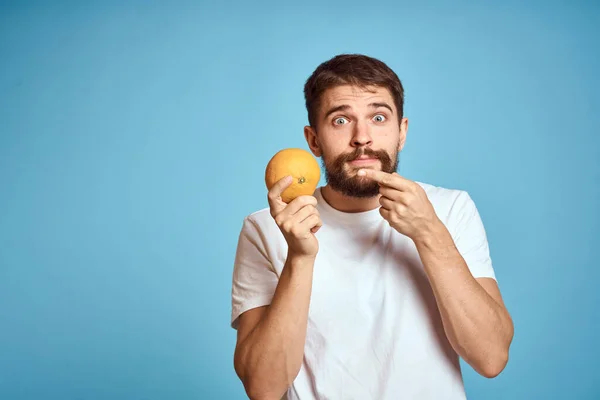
x=260 y=223
x=451 y=204
x=260 y=233
x=259 y=218
x=443 y=196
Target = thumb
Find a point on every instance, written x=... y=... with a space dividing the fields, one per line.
x=274 y=195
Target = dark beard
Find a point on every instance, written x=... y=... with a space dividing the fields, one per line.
x=356 y=186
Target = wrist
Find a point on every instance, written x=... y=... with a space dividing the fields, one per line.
x=297 y=259
x=299 y=266
x=434 y=235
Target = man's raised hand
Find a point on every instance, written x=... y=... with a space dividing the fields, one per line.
x=298 y=221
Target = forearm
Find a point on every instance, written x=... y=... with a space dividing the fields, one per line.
x=271 y=355
x=478 y=328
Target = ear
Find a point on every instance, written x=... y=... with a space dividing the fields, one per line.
x=312 y=140
x=403 y=132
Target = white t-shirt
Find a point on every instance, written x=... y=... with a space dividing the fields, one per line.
x=374 y=329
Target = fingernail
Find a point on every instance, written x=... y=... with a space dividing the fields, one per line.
x=361 y=172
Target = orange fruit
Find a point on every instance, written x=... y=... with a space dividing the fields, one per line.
x=301 y=165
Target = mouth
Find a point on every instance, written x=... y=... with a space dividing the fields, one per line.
x=363 y=161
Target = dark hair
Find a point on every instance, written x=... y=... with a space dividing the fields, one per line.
x=353 y=69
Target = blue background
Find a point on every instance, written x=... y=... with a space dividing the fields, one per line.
x=133 y=141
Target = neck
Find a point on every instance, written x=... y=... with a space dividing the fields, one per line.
x=348 y=204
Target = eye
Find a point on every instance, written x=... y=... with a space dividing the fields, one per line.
x=340 y=121
x=379 y=118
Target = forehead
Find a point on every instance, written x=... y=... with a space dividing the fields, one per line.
x=355 y=96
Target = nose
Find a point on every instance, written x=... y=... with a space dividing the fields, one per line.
x=361 y=136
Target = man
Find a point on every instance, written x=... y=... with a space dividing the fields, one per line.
x=375 y=285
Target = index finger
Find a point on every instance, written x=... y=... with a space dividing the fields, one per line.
x=383 y=178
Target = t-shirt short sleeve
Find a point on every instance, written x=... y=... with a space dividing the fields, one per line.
x=254 y=278
x=470 y=237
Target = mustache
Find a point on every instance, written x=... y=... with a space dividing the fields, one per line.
x=359 y=152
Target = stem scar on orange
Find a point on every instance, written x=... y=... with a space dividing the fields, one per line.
x=301 y=165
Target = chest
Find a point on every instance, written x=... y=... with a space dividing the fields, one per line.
x=361 y=275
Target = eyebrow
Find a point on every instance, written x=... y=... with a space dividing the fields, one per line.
x=344 y=107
